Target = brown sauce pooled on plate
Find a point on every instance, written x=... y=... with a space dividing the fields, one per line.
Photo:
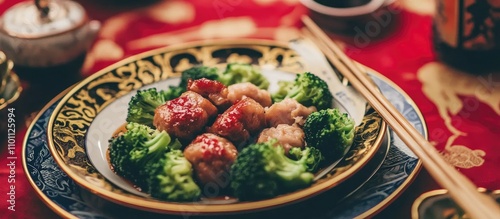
x=120 y=130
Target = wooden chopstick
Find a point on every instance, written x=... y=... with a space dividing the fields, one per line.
x=460 y=188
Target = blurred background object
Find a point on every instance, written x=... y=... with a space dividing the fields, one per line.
x=4 y=70
x=362 y=18
x=10 y=86
x=467 y=34
x=44 y=34
x=10 y=89
x=437 y=204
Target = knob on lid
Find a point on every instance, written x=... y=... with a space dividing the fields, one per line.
x=42 y=18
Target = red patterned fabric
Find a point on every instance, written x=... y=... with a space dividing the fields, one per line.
x=462 y=111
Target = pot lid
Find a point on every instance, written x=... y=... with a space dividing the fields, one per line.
x=42 y=18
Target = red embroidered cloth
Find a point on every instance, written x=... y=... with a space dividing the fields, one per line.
x=461 y=110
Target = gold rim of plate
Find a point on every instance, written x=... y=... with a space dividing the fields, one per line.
x=45 y=199
x=389 y=199
x=98 y=185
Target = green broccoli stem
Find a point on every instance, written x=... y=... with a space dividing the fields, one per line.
x=292 y=173
x=146 y=119
x=158 y=143
x=154 y=103
x=294 y=176
x=298 y=94
x=179 y=165
x=346 y=125
x=174 y=181
x=153 y=149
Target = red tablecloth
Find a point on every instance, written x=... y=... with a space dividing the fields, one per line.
x=461 y=110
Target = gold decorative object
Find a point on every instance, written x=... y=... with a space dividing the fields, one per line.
x=10 y=86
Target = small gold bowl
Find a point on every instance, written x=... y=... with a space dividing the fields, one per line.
x=5 y=68
x=10 y=85
x=11 y=90
x=437 y=204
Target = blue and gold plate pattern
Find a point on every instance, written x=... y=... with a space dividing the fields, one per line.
x=88 y=115
x=64 y=194
x=69 y=200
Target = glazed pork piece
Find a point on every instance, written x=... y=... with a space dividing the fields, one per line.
x=288 y=111
x=240 y=121
x=239 y=90
x=211 y=157
x=213 y=90
x=288 y=136
x=184 y=117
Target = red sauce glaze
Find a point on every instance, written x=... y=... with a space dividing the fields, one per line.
x=183 y=110
x=231 y=118
x=209 y=86
x=182 y=101
x=211 y=146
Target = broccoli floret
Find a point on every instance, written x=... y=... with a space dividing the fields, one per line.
x=283 y=88
x=132 y=150
x=308 y=89
x=262 y=170
x=193 y=73
x=237 y=73
x=173 y=178
x=146 y=157
x=141 y=107
x=314 y=157
x=330 y=131
x=198 y=72
x=234 y=73
x=173 y=92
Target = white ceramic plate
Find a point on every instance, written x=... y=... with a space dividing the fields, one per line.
x=87 y=116
x=69 y=200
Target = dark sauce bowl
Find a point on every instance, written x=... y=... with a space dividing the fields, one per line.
x=343 y=3
x=370 y=18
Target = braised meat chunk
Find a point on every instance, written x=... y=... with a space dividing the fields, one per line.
x=288 y=136
x=184 y=117
x=211 y=157
x=213 y=90
x=288 y=111
x=238 y=91
x=240 y=121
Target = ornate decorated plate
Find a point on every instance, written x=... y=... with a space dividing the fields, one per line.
x=69 y=200
x=86 y=118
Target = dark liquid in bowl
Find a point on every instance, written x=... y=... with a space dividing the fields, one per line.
x=343 y=3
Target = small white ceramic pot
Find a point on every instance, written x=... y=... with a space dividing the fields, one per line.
x=34 y=39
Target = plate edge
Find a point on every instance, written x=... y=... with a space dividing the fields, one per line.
x=418 y=167
x=46 y=200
